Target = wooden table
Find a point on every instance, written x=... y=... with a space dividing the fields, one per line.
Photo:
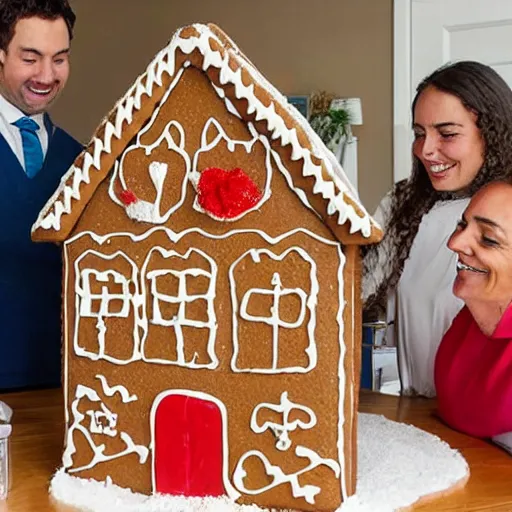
x=36 y=449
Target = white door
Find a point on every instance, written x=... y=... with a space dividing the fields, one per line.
x=429 y=33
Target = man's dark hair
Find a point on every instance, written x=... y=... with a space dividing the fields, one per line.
x=11 y=11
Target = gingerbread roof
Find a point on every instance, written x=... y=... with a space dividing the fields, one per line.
x=209 y=49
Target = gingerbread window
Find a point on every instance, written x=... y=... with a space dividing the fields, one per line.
x=274 y=299
x=106 y=304
x=180 y=294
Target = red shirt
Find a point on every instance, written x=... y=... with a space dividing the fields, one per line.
x=473 y=376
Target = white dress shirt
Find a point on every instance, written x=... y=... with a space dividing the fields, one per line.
x=10 y=114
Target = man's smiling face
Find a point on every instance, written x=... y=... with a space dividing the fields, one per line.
x=35 y=67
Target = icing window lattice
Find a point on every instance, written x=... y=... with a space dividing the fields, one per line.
x=277 y=293
x=181 y=301
x=175 y=304
x=112 y=300
x=280 y=307
x=103 y=298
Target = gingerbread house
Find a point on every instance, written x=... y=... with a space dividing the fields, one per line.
x=211 y=290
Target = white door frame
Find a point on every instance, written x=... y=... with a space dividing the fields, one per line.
x=402 y=90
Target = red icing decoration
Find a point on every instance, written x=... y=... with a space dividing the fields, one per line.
x=128 y=197
x=188 y=447
x=227 y=194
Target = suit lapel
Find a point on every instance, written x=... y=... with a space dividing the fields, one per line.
x=50 y=130
x=50 y=127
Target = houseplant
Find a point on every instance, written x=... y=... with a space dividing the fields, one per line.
x=331 y=125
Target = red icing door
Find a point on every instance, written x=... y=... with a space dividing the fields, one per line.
x=188 y=450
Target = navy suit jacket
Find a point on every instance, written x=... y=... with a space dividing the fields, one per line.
x=30 y=273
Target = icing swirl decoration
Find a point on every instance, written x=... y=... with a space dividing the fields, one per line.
x=102 y=422
x=279 y=477
x=281 y=430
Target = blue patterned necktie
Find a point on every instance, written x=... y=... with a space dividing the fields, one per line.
x=32 y=149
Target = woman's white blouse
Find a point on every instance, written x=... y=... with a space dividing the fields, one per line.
x=422 y=307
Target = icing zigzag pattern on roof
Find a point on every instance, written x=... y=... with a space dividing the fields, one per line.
x=335 y=189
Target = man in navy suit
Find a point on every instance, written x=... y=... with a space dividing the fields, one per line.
x=35 y=38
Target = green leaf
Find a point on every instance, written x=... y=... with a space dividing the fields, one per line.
x=331 y=126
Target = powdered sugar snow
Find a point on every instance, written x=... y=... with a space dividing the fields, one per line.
x=397 y=465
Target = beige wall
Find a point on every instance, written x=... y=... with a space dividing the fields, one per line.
x=342 y=46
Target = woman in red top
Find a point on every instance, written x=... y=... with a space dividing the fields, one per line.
x=473 y=369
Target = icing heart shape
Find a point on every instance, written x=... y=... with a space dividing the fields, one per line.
x=275 y=476
x=227 y=194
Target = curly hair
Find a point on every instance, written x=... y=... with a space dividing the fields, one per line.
x=483 y=92
x=11 y=11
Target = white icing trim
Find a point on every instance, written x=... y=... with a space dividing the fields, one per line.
x=98 y=450
x=65 y=368
x=289 y=180
x=182 y=299
x=308 y=300
x=229 y=104
x=175 y=237
x=230 y=490
x=232 y=146
x=111 y=391
x=332 y=190
x=342 y=379
x=285 y=407
x=164 y=99
x=308 y=492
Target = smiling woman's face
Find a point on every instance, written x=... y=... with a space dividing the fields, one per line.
x=483 y=243
x=446 y=140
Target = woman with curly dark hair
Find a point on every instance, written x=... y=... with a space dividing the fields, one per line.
x=462 y=122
